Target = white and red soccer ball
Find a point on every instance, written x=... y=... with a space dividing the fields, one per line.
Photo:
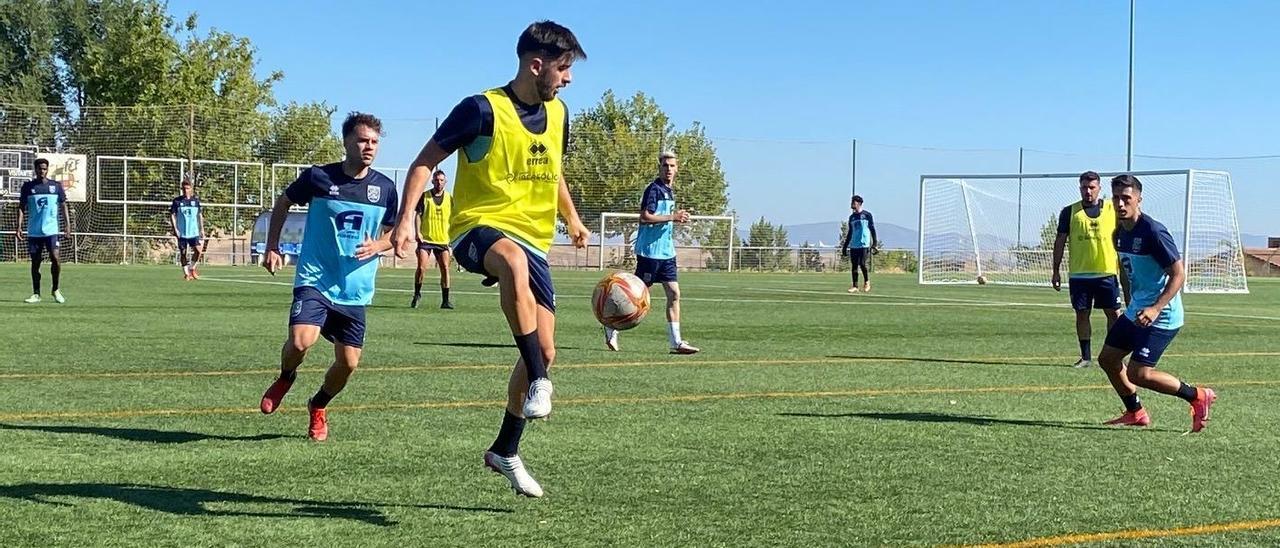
x=620 y=301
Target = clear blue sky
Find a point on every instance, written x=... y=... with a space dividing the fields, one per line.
x=784 y=87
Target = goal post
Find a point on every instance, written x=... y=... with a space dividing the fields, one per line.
x=705 y=242
x=1002 y=226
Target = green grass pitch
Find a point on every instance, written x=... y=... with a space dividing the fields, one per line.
x=910 y=416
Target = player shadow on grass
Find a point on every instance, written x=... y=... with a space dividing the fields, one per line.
x=136 y=434
x=183 y=501
x=975 y=420
x=960 y=361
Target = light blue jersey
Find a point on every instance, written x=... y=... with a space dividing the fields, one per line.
x=343 y=213
x=187 y=213
x=42 y=200
x=861 y=231
x=657 y=240
x=1145 y=252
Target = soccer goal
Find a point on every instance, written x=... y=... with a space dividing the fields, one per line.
x=1002 y=227
x=704 y=243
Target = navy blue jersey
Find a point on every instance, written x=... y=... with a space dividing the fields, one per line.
x=187 y=213
x=656 y=240
x=1146 y=251
x=42 y=199
x=343 y=213
x=469 y=125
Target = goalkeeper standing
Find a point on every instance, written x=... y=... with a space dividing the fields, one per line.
x=859 y=241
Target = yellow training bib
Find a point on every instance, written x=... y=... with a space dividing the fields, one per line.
x=434 y=226
x=514 y=186
x=1093 y=253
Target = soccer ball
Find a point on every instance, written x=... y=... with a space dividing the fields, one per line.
x=982 y=280
x=620 y=301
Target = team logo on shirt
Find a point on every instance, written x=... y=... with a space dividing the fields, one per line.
x=333 y=190
x=42 y=202
x=539 y=152
x=373 y=193
x=349 y=221
x=1137 y=245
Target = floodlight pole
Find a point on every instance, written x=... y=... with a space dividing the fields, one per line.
x=853 y=168
x=1128 y=156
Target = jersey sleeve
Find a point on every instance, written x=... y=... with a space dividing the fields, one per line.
x=173 y=206
x=1163 y=249
x=393 y=206
x=649 y=202
x=465 y=122
x=62 y=193
x=300 y=191
x=23 y=194
x=1064 y=221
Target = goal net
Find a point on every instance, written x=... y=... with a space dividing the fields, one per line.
x=1002 y=227
x=703 y=243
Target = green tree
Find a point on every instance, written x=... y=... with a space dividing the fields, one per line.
x=767 y=247
x=613 y=154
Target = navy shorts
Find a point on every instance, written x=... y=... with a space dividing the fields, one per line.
x=37 y=245
x=1099 y=293
x=859 y=256
x=1146 y=343
x=433 y=248
x=338 y=323
x=184 y=243
x=469 y=252
x=655 y=271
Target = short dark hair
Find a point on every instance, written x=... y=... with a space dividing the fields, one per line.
x=549 y=40
x=437 y=172
x=357 y=118
x=857 y=199
x=187 y=181
x=1089 y=176
x=42 y=161
x=1125 y=181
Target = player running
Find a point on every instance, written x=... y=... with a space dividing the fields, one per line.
x=337 y=265
x=1152 y=275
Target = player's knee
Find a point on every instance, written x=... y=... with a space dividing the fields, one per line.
x=296 y=347
x=1138 y=374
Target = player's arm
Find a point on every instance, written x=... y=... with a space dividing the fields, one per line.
x=871 y=225
x=419 y=172
x=1060 y=246
x=200 y=215
x=1165 y=253
x=22 y=209
x=371 y=248
x=66 y=208
x=578 y=232
x=461 y=127
x=848 y=235
x=173 y=217
x=272 y=261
